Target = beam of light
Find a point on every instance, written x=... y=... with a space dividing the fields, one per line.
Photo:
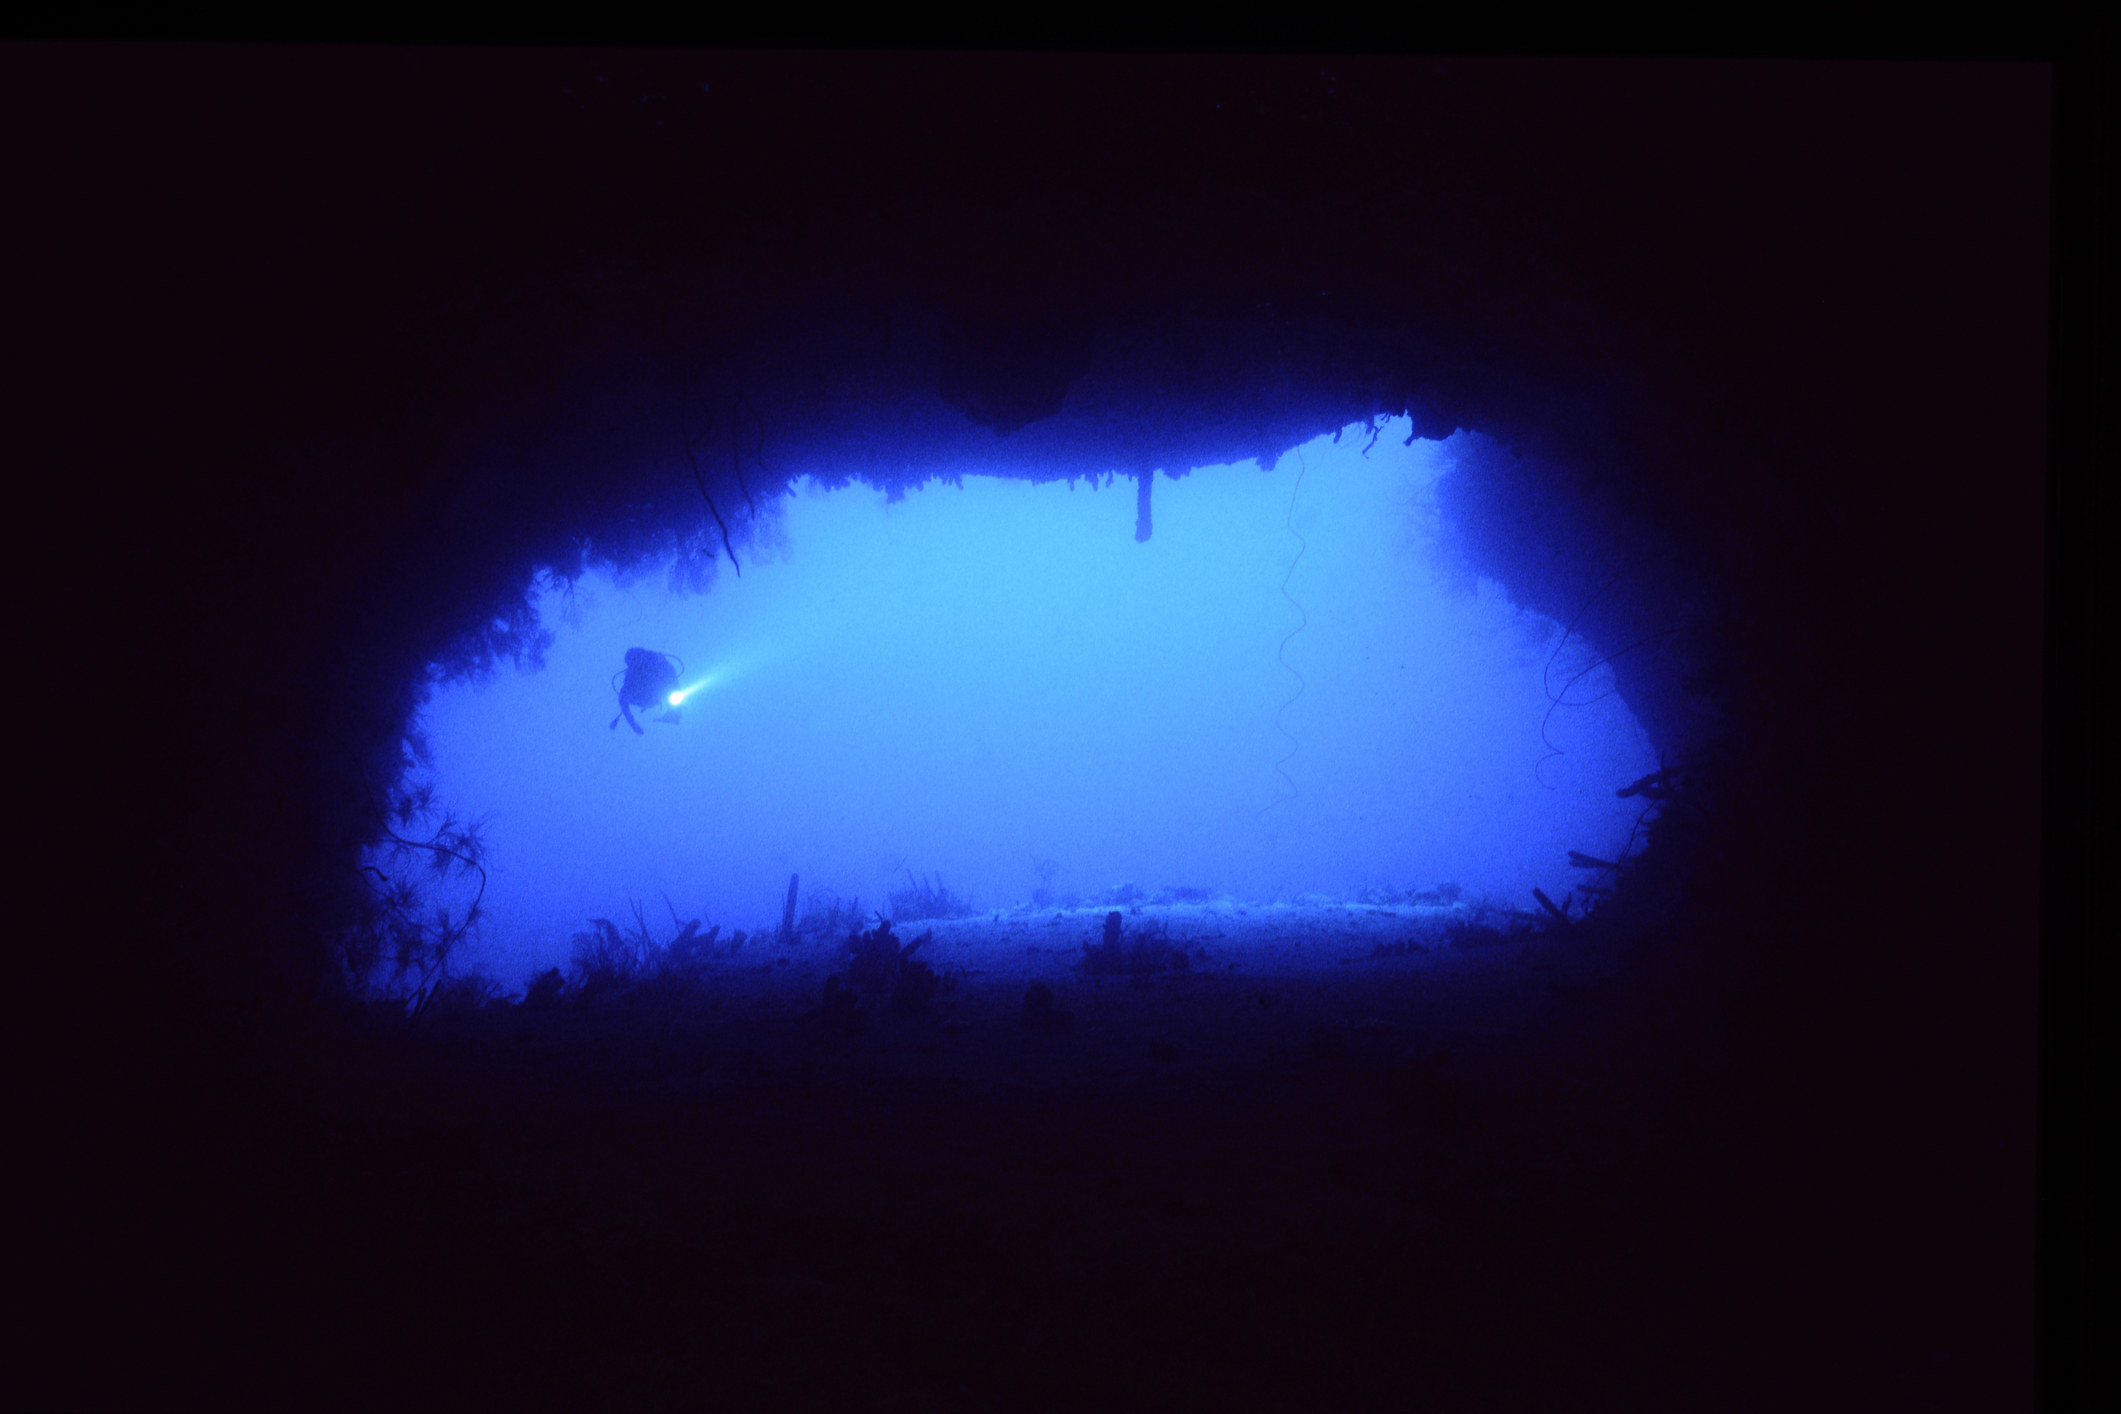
x=713 y=679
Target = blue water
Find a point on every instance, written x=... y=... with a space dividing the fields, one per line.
x=1285 y=691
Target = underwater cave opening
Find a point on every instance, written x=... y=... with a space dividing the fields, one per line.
x=990 y=696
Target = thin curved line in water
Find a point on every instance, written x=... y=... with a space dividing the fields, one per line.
x=1560 y=699
x=1289 y=522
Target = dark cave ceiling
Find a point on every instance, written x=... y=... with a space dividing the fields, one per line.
x=393 y=327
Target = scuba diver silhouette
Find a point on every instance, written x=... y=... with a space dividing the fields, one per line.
x=650 y=679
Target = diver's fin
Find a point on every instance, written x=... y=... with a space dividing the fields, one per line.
x=671 y=717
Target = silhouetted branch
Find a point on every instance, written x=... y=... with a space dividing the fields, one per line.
x=758 y=451
x=711 y=508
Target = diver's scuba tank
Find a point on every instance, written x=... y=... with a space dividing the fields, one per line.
x=649 y=678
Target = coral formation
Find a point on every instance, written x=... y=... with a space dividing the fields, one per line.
x=1147 y=952
x=881 y=963
x=926 y=898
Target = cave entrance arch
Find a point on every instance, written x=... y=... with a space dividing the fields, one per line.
x=1293 y=690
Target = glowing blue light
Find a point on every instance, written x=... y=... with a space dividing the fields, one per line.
x=1290 y=689
x=677 y=699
